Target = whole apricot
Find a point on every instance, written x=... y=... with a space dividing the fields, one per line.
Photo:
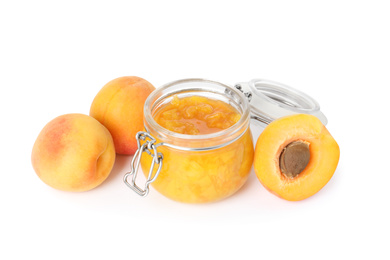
x=119 y=107
x=295 y=156
x=73 y=152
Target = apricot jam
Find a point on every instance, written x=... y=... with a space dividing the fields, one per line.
x=202 y=131
x=196 y=115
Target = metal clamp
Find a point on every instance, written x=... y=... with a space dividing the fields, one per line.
x=259 y=116
x=149 y=147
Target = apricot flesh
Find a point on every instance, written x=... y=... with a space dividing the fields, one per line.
x=322 y=162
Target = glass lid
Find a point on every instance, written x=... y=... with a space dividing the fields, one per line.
x=270 y=100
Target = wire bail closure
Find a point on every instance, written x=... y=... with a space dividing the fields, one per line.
x=150 y=148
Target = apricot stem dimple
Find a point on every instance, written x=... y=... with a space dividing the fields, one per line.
x=294 y=158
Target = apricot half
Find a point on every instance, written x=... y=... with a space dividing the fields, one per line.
x=295 y=157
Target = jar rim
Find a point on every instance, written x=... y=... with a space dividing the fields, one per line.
x=190 y=84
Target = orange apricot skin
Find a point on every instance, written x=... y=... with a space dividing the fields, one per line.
x=324 y=156
x=119 y=107
x=73 y=152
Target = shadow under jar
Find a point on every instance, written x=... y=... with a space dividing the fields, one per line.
x=197 y=168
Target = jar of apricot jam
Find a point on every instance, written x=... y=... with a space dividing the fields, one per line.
x=197 y=145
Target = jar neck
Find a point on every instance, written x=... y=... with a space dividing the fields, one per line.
x=196 y=87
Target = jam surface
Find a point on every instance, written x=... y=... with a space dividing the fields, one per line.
x=196 y=115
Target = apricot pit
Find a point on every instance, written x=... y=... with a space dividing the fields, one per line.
x=294 y=158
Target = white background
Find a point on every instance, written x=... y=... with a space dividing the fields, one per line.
x=55 y=57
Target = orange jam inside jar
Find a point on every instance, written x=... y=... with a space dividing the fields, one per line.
x=196 y=115
x=202 y=130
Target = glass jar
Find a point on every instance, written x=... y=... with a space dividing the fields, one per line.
x=195 y=168
x=209 y=167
